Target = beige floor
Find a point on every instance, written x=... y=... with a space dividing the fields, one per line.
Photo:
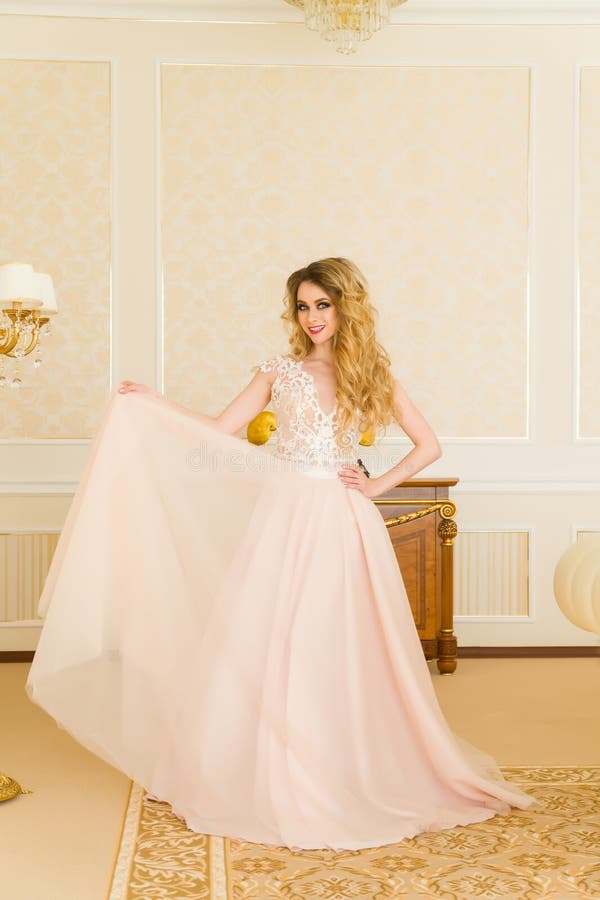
x=59 y=842
x=525 y=712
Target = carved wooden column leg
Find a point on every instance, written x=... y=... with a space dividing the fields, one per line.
x=447 y=530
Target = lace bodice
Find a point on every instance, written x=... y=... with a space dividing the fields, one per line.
x=305 y=435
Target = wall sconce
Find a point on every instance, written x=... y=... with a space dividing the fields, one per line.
x=27 y=301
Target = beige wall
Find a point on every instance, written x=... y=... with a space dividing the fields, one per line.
x=415 y=187
x=443 y=159
x=55 y=183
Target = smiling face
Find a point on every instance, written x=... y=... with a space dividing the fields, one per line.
x=317 y=314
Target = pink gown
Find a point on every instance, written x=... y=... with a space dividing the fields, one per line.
x=229 y=627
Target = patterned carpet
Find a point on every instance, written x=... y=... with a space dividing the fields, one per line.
x=553 y=852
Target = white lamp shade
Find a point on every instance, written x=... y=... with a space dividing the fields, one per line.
x=43 y=290
x=577 y=583
x=16 y=283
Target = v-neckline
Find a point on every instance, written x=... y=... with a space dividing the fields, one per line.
x=314 y=387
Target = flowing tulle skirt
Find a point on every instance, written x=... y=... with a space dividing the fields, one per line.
x=236 y=637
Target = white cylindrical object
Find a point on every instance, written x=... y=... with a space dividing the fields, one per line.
x=43 y=289
x=16 y=283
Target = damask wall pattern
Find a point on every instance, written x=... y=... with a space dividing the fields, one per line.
x=421 y=177
x=589 y=253
x=55 y=183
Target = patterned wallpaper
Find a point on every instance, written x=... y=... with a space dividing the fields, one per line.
x=589 y=254
x=55 y=214
x=418 y=174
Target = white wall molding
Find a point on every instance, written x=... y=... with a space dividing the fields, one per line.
x=485 y=619
x=527 y=487
x=575 y=362
x=25 y=556
x=43 y=442
x=576 y=528
x=113 y=238
x=42 y=488
x=159 y=348
x=276 y=11
x=578 y=438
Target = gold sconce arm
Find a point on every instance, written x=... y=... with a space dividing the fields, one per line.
x=27 y=300
x=9 y=335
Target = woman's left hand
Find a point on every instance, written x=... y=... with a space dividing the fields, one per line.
x=355 y=479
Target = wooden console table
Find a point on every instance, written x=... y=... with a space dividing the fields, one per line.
x=419 y=518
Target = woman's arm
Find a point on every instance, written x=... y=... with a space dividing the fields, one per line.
x=238 y=413
x=425 y=451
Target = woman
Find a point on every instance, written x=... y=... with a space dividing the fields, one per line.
x=234 y=632
x=335 y=342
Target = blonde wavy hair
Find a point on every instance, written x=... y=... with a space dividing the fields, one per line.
x=362 y=365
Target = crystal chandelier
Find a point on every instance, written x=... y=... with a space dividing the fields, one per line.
x=27 y=302
x=346 y=22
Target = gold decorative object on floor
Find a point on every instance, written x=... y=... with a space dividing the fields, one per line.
x=551 y=852
x=9 y=788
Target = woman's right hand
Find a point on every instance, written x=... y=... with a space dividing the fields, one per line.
x=127 y=386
